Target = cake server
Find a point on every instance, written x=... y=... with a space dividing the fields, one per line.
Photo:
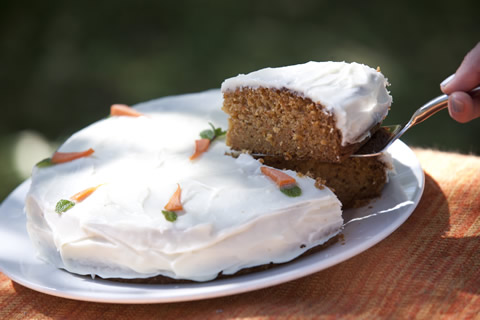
x=396 y=131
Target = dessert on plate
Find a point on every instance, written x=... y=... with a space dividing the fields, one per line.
x=152 y=192
x=232 y=215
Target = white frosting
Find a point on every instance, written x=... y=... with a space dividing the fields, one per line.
x=234 y=217
x=387 y=159
x=354 y=93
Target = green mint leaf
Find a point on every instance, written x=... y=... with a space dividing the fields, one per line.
x=219 y=132
x=45 y=163
x=169 y=215
x=292 y=191
x=212 y=134
x=63 y=205
x=207 y=134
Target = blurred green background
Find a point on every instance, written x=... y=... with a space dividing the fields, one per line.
x=64 y=63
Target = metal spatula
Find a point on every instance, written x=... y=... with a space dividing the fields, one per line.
x=396 y=131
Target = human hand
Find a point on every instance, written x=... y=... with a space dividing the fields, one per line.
x=461 y=106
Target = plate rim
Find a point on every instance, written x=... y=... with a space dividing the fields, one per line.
x=158 y=293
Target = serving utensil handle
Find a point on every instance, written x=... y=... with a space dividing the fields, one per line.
x=432 y=107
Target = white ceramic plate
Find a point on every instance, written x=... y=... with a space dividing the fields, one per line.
x=365 y=227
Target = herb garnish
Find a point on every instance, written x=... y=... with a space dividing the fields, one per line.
x=64 y=205
x=169 y=215
x=45 y=163
x=207 y=136
x=212 y=134
x=291 y=191
x=286 y=183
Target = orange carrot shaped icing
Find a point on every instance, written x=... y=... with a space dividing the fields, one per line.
x=124 y=110
x=65 y=205
x=201 y=145
x=82 y=195
x=61 y=157
x=207 y=137
x=279 y=177
x=287 y=184
x=173 y=205
x=175 y=202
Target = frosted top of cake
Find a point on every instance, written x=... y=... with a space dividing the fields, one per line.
x=234 y=217
x=354 y=93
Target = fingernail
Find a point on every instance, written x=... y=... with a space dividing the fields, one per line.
x=447 y=80
x=457 y=105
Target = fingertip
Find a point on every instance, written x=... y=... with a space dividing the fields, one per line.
x=445 y=84
x=467 y=75
x=462 y=108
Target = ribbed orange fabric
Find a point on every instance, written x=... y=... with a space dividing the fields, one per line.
x=429 y=268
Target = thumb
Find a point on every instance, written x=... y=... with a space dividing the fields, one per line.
x=467 y=76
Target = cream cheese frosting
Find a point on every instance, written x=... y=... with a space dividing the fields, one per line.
x=234 y=217
x=354 y=93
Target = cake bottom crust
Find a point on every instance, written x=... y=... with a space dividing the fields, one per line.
x=167 y=280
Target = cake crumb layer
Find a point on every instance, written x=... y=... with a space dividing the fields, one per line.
x=281 y=123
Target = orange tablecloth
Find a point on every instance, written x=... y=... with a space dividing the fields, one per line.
x=428 y=268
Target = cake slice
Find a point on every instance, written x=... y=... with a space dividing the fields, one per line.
x=355 y=181
x=318 y=110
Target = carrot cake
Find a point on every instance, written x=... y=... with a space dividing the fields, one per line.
x=355 y=181
x=318 y=110
x=150 y=191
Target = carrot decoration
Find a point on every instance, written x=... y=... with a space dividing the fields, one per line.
x=201 y=145
x=124 y=110
x=280 y=178
x=65 y=205
x=61 y=157
x=175 y=203
x=207 y=136
x=287 y=184
x=82 y=195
